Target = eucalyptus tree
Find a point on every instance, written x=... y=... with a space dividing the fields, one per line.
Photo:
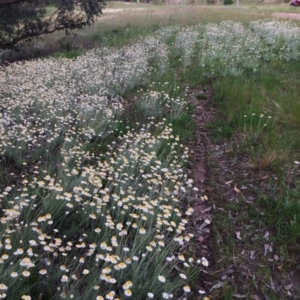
x=22 y=20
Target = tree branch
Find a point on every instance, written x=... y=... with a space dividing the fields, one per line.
x=27 y=35
x=21 y=21
x=9 y=2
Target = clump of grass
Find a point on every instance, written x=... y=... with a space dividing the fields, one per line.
x=220 y=129
x=267 y=159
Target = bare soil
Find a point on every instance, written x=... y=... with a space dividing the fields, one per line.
x=200 y=147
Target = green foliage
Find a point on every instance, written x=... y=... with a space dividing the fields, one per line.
x=228 y=2
x=22 y=21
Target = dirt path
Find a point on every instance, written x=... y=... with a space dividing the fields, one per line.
x=228 y=222
x=200 y=146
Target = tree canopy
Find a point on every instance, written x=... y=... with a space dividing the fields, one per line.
x=22 y=20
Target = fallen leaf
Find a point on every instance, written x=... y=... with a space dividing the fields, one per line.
x=217 y=286
x=224 y=277
x=276 y=257
x=239 y=296
x=272 y=285
x=252 y=254
x=228 y=182
x=237 y=190
x=266 y=246
x=238 y=235
x=229 y=272
x=206 y=210
x=208 y=221
x=266 y=235
x=279 y=267
x=228 y=150
x=288 y=287
x=264 y=177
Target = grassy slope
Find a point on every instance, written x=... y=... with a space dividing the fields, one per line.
x=270 y=153
x=261 y=163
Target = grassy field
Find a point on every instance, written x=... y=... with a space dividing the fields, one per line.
x=96 y=176
x=142 y=19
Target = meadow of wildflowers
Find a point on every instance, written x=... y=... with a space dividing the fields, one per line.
x=93 y=207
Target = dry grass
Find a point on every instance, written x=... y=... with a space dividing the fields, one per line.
x=159 y=15
x=267 y=159
x=120 y=15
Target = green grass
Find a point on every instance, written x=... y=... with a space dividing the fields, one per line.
x=220 y=130
x=261 y=149
x=70 y=54
x=284 y=217
x=250 y=103
x=184 y=127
